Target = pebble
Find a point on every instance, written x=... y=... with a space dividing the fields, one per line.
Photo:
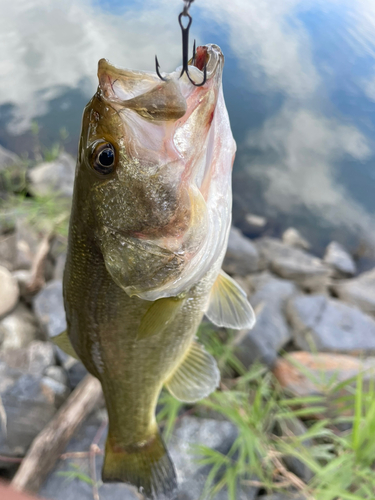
x=293 y=237
x=271 y=331
x=359 y=291
x=9 y=291
x=29 y=398
x=49 y=308
x=8 y=251
x=328 y=325
x=18 y=328
x=28 y=241
x=294 y=264
x=340 y=260
x=54 y=177
x=242 y=257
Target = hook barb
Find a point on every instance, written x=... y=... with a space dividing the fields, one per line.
x=185 y=48
x=157 y=69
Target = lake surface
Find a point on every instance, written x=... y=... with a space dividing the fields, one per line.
x=299 y=84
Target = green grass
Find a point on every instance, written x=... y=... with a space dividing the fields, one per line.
x=342 y=461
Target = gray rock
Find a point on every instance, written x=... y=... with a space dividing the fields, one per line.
x=218 y=435
x=283 y=496
x=49 y=308
x=271 y=331
x=27 y=244
x=359 y=291
x=58 y=374
x=292 y=263
x=242 y=256
x=293 y=237
x=59 y=267
x=53 y=177
x=340 y=260
x=329 y=325
x=256 y=221
x=294 y=426
x=8 y=158
x=23 y=277
x=54 y=391
x=59 y=486
x=33 y=359
x=190 y=431
x=9 y=291
x=18 y=328
x=29 y=399
x=8 y=251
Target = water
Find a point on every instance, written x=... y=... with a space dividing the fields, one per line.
x=299 y=84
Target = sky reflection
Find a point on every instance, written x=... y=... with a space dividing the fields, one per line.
x=299 y=84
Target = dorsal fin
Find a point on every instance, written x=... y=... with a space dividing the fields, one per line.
x=196 y=377
x=158 y=316
x=228 y=305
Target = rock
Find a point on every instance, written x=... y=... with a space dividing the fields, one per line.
x=293 y=238
x=24 y=277
x=55 y=392
x=359 y=291
x=27 y=244
x=55 y=177
x=29 y=399
x=340 y=260
x=8 y=251
x=283 y=496
x=294 y=426
x=219 y=435
x=9 y=291
x=18 y=328
x=58 y=374
x=271 y=331
x=33 y=359
x=49 y=308
x=58 y=272
x=8 y=158
x=254 y=224
x=329 y=325
x=292 y=263
x=57 y=487
x=242 y=256
x=305 y=374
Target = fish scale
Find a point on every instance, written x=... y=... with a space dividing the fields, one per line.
x=150 y=220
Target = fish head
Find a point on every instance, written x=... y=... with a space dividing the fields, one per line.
x=154 y=165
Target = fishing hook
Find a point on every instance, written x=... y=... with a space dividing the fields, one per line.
x=185 y=48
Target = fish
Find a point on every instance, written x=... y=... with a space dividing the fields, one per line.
x=151 y=214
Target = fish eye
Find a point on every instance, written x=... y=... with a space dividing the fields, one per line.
x=104 y=158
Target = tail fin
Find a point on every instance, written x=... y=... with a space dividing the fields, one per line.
x=147 y=466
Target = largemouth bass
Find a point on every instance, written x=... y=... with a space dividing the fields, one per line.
x=149 y=227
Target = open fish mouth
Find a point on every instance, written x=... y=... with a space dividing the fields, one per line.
x=175 y=152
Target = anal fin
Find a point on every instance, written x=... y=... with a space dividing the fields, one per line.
x=228 y=305
x=62 y=341
x=196 y=377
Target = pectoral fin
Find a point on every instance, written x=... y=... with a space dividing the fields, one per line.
x=62 y=341
x=196 y=377
x=228 y=305
x=158 y=316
